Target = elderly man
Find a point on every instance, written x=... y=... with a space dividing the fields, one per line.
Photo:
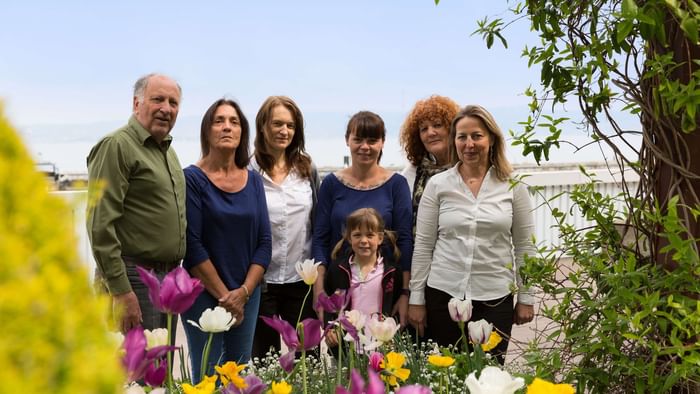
x=137 y=202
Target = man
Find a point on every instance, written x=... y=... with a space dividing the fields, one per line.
x=137 y=194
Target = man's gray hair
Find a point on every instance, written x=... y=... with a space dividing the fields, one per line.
x=142 y=83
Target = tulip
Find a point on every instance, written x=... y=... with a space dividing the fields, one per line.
x=414 y=389
x=176 y=294
x=440 y=361
x=307 y=271
x=375 y=361
x=356 y=318
x=137 y=360
x=357 y=384
x=214 y=320
x=479 y=331
x=230 y=373
x=311 y=332
x=335 y=303
x=383 y=330
x=393 y=368
x=493 y=380
x=460 y=310
x=156 y=337
x=287 y=361
x=540 y=386
x=280 y=387
x=253 y=386
x=206 y=386
x=155 y=376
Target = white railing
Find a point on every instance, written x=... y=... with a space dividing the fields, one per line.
x=549 y=180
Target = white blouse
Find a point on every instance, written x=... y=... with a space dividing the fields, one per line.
x=289 y=207
x=471 y=247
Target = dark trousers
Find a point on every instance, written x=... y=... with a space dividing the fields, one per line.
x=443 y=330
x=284 y=300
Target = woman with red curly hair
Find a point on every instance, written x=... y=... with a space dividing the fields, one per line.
x=425 y=139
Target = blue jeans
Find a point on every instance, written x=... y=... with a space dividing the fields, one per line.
x=236 y=344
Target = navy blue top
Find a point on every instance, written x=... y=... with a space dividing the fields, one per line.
x=336 y=201
x=230 y=229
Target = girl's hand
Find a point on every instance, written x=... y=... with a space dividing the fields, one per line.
x=331 y=339
x=401 y=308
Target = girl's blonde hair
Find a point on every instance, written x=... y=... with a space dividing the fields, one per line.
x=370 y=219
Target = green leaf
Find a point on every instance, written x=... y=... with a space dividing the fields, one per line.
x=690 y=26
x=629 y=9
x=624 y=29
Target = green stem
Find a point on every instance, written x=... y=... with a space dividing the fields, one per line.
x=170 y=353
x=466 y=346
x=205 y=358
x=303 y=369
x=304 y=303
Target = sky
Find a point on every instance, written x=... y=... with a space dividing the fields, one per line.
x=67 y=68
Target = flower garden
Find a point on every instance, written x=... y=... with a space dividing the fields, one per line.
x=375 y=357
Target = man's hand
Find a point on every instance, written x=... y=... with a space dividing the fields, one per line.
x=416 y=316
x=126 y=310
x=523 y=313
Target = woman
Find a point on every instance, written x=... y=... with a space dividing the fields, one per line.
x=365 y=184
x=291 y=183
x=228 y=235
x=470 y=225
x=425 y=139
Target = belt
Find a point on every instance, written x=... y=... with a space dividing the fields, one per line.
x=158 y=266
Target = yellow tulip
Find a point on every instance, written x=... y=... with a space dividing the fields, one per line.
x=392 y=370
x=494 y=340
x=281 y=387
x=440 y=361
x=230 y=372
x=206 y=386
x=540 y=386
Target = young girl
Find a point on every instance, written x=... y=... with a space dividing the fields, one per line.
x=373 y=282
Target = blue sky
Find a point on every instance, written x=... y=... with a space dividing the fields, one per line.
x=67 y=68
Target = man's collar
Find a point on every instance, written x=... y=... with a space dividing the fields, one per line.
x=142 y=134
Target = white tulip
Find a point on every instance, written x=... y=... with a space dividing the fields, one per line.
x=384 y=330
x=479 y=331
x=493 y=380
x=356 y=318
x=156 y=337
x=460 y=310
x=307 y=271
x=134 y=388
x=215 y=320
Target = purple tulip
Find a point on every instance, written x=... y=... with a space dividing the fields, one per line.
x=155 y=376
x=288 y=333
x=335 y=303
x=357 y=384
x=287 y=362
x=312 y=332
x=253 y=386
x=137 y=361
x=414 y=389
x=176 y=294
x=348 y=327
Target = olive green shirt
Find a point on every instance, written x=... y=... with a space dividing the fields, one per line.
x=136 y=202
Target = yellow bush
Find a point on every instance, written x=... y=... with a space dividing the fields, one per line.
x=52 y=333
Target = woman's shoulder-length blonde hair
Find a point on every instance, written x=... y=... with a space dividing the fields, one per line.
x=497 y=151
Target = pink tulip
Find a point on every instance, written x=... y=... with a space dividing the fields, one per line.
x=139 y=362
x=176 y=294
x=357 y=384
x=375 y=361
x=414 y=389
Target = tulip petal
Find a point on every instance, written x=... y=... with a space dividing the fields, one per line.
x=151 y=281
x=155 y=376
x=135 y=351
x=288 y=333
x=374 y=384
x=287 y=361
x=312 y=333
